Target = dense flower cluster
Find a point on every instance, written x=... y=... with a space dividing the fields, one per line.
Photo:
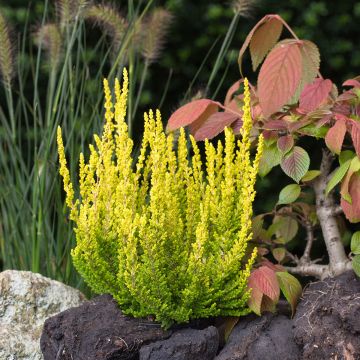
x=165 y=233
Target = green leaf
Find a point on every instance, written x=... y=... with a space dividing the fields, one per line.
x=279 y=254
x=289 y=194
x=338 y=176
x=290 y=287
x=271 y=157
x=356 y=264
x=355 y=243
x=311 y=175
x=345 y=156
x=296 y=163
x=287 y=227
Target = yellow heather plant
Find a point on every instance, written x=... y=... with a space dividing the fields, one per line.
x=165 y=234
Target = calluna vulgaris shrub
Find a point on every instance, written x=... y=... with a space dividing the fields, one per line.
x=166 y=236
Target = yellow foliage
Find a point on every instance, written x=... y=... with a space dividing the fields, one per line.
x=166 y=233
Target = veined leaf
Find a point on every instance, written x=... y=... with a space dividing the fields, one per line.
x=356 y=264
x=264 y=39
x=353 y=168
x=279 y=254
x=271 y=157
x=338 y=176
x=289 y=194
x=352 y=210
x=290 y=287
x=214 y=125
x=335 y=136
x=285 y=143
x=264 y=279
x=315 y=94
x=310 y=56
x=311 y=175
x=287 y=229
x=355 y=136
x=279 y=76
x=195 y=111
x=251 y=34
x=355 y=243
x=296 y=163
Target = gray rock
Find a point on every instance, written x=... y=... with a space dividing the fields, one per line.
x=26 y=301
x=184 y=345
x=267 y=337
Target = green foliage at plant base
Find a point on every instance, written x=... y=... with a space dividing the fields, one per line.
x=168 y=236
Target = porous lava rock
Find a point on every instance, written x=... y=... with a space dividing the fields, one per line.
x=267 y=337
x=97 y=330
x=184 y=345
x=327 y=320
x=26 y=300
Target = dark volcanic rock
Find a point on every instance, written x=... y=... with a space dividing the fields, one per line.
x=267 y=337
x=327 y=320
x=97 y=330
x=184 y=345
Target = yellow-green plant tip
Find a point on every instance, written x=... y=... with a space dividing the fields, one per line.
x=165 y=236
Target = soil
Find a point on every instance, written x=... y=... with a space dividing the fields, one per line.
x=326 y=326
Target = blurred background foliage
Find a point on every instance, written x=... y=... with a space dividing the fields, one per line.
x=193 y=54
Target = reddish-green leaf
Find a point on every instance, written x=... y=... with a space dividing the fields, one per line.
x=285 y=143
x=352 y=82
x=315 y=94
x=214 y=125
x=289 y=194
x=355 y=136
x=264 y=39
x=355 y=243
x=352 y=211
x=296 y=163
x=335 y=136
x=195 y=111
x=279 y=77
x=251 y=34
x=264 y=279
x=356 y=264
x=271 y=157
x=310 y=56
x=290 y=287
x=353 y=168
x=232 y=90
x=279 y=254
x=255 y=301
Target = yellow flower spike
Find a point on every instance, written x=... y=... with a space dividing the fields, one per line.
x=165 y=233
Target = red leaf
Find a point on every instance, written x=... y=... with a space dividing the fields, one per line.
x=352 y=211
x=237 y=125
x=264 y=39
x=214 y=125
x=335 y=136
x=355 y=136
x=279 y=77
x=197 y=110
x=345 y=185
x=352 y=82
x=276 y=125
x=285 y=143
x=264 y=280
x=315 y=94
x=251 y=34
x=296 y=163
x=232 y=90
